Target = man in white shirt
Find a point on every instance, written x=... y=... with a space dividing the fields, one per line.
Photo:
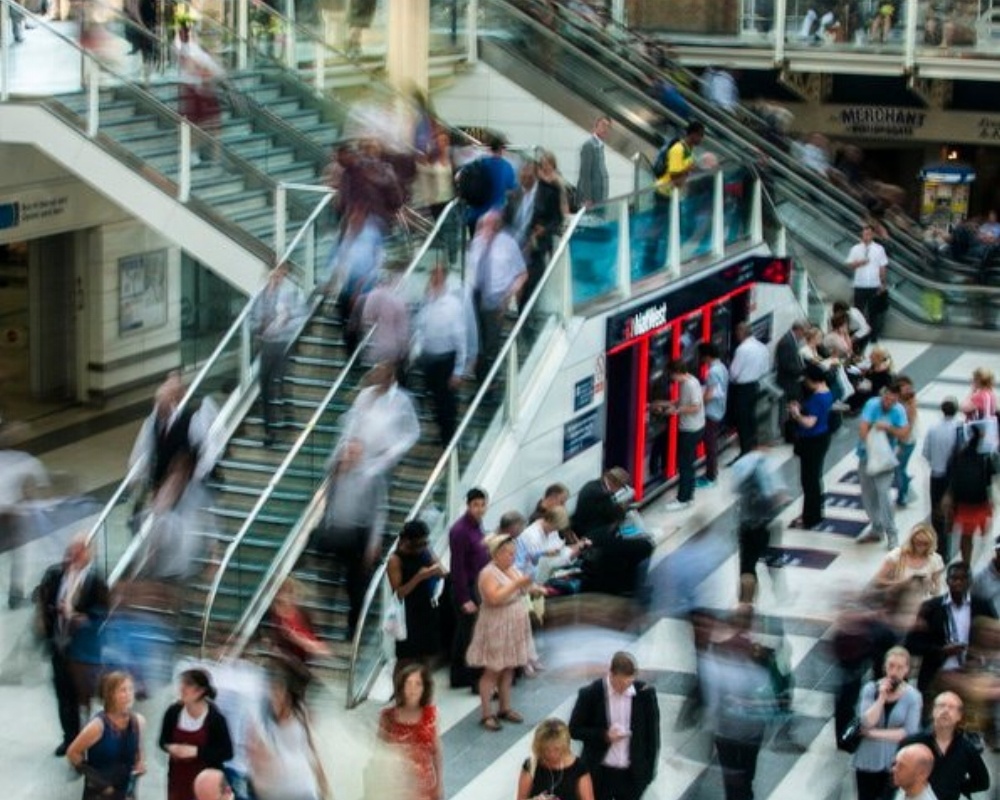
x=868 y=260
x=440 y=340
x=540 y=548
x=751 y=363
x=690 y=411
x=498 y=272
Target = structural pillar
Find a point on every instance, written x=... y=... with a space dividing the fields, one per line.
x=408 y=43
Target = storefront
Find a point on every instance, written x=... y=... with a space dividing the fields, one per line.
x=641 y=342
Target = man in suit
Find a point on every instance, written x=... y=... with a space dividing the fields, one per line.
x=618 y=720
x=941 y=633
x=72 y=599
x=593 y=184
x=789 y=366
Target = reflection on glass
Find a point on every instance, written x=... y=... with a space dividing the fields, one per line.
x=736 y=203
x=594 y=255
x=649 y=233
x=696 y=217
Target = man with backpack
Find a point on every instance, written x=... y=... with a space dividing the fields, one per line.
x=484 y=183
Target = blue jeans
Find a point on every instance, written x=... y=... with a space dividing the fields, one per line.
x=903 y=453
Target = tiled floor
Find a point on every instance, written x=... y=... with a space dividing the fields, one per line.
x=484 y=766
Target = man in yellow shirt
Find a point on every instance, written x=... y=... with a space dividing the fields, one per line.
x=680 y=159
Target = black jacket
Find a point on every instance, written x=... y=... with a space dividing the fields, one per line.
x=597 y=515
x=91 y=600
x=589 y=724
x=220 y=745
x=959 y=771
x=930 y=634
x=789 y=365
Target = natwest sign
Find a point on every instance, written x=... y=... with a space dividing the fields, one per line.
x=642 y=322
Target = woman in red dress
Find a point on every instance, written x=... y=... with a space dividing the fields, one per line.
x=194 y=735
x=410 y=723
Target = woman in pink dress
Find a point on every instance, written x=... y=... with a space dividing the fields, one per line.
x=502 y=640
x=410 y=723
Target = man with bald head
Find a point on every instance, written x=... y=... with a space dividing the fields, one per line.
x=211 y=785
x=911 y=772
x=958 y=765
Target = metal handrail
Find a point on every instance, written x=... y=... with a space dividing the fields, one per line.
x=216 y=355
x=296 y=448
x=452 y=447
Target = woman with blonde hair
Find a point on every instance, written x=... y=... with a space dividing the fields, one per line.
x=553 y=771
x=915 y=561
x=982 y=401
x=501 y=641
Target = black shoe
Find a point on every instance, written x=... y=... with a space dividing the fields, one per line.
x=61 y=749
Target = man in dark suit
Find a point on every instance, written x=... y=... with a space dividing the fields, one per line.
x=72 y=599
x=618 y=720
x=789 y=366
x=941 y=632
x=593 y=184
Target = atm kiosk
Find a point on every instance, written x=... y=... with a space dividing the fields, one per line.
x=642 y=340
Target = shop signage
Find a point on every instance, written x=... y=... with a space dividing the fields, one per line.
x=583 y=393
x=643 y=322
x=142 y=291
x=581 y=434
x=882 y=120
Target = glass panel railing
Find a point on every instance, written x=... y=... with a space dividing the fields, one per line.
x=270 y=539
x=737 y=202
x=649 y=233
x=594 y=253
x=696 y=212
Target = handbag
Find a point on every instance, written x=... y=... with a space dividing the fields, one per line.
x=850 y=738
x=881 y=457
x=394 y=624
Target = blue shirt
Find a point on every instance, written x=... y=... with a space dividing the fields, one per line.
x=873 y=413
x=502 y=180
x=717 y=379
x=817 y=405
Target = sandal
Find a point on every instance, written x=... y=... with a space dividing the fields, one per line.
x=511 y=716
x=490 y=723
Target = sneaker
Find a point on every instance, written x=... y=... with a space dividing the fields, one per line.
x=704 y=483
x=841 y=406
x=868 y=536
x=677 y=505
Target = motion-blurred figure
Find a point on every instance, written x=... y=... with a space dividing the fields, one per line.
x=22 y=478
x=385 y=314
x=275 y=314
x=72 y=600
x=760 y=494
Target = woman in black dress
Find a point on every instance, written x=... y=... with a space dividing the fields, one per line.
x=414 y=573
x=553 y=771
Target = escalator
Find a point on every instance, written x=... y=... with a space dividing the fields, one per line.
x=548 y=55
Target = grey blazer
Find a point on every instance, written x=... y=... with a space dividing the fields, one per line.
x=593 y=184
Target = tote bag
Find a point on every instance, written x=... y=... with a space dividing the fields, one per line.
x=881 y=458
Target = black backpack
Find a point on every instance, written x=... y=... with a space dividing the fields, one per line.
x=475 y=183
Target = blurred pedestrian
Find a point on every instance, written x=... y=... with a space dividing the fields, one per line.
x=916 y=563
x=986 y=583
x=554 y=770
x=194 y=734
x=284 y=760
x=886 y=414
x=385 y=315
x=617 y=717
x=200 y=75
x=291 y=630
x=889 y=711
x=108 y=751
x=907 y=443
x=72 y=601
x=970 y=480
x=278 y=308
x=939 y=445
x=750 y=365
x=761 y=494
x=410 y=725
x=502 y=638
x=714 y=397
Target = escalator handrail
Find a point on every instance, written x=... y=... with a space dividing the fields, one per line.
x=848 y=204
x=264 y=595
x=136 y=469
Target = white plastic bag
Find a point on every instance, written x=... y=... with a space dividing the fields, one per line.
x=394 y=624
x=843 y=383
x=881 y=458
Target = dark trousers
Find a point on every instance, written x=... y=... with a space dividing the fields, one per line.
x=713 y=429
x=738 y=761
x=687 y=447
x=867 y=301
x=811 y=451
x=615 y=784
x=939 y=516
x=272 y=373
x=490 y=323
x=461 y=674
x=350 y=551
x=66 y=697
x=438 y=370
x=744 y=400
x=873 y=785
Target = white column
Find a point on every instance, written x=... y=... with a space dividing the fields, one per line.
x=910 y=36
x=618 y=12
x=780 y=21
x=5 y=54
x=408 y=43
